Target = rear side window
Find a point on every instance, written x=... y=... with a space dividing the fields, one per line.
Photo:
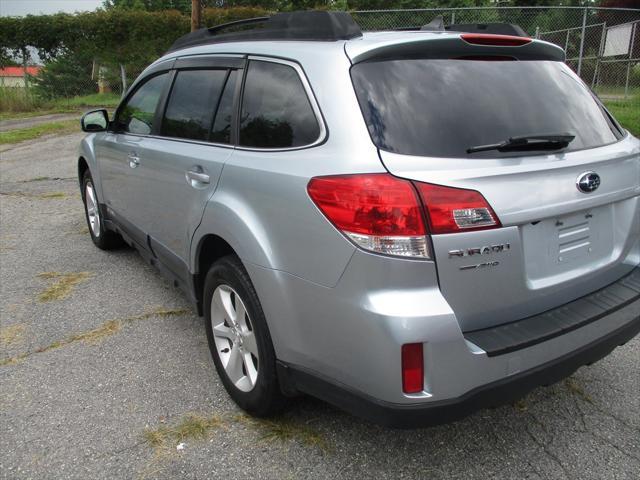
x=137 y=115
x=192 y=103
x=440 y=108
x=276 y=112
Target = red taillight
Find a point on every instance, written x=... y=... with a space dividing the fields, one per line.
x=385 y=214
x=452 y=210
x=412 y=368
x=497 y=40
x=378 y=211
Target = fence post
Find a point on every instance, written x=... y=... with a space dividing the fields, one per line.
x=584 y=30
x=633 y=37
x=453 y=17
x=537 y=32
x=596 y=70
x=123 y=76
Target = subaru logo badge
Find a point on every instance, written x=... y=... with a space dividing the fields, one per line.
x=588 y=182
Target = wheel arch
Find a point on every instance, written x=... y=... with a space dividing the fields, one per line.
x=83 y=166
x=209 y=249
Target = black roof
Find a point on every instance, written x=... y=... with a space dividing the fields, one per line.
x=310 y=25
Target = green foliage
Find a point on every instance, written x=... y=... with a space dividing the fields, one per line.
x=66 y=76
x=112 y=36
x=183 y=6
x=18 y=100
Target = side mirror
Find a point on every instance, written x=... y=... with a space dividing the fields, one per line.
x=95 y=121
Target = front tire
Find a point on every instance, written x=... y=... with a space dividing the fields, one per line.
x=239 y=339
x=102 y=238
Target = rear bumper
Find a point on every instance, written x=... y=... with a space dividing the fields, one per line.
x=493 y=394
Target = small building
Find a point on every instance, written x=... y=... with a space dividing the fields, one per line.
x=17 y=77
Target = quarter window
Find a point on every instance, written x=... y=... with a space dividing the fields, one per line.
x=138 y=114
x=192 y=103
x=276 y=112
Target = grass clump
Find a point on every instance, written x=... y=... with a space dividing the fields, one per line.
x=574 y=387
x=97 y=334
x=285 y=430
x=11 y=334
x=30 y=133
x=63 y=285
x=53 y=195
x=192 y=426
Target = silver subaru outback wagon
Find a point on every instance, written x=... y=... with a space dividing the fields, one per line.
x=409 y=225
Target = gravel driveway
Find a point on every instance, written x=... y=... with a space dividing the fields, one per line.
x=105 y=373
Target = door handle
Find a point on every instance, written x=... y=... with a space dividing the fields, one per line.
x=197 y=178
x=134 y=160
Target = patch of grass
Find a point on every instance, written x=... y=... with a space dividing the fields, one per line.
x=24 y=103
x=192 y=426
x=284 y=430
x=574 y=387
x=521 y=405
x=63 y=284
x=627 y=112
x=99 y=100
x=23 y=134
x=42 y=196
x=53 y=195
x=18 y=100
x=37 y=179
x=11 y=334
x=108 y=328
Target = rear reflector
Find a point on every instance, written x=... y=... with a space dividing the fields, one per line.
x=412 y=368
x=453 y=210
x=497 y=40
x=378 y=212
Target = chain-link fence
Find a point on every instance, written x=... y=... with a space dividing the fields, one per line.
x=602 y=44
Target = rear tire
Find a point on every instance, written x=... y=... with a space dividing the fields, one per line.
x=102 y=238
x=239 y=339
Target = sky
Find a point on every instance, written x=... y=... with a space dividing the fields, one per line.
x=23 y=7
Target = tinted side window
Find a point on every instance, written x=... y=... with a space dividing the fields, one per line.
x=138 y=113
x=192 y=102
x=276 y=112
x=221 y=131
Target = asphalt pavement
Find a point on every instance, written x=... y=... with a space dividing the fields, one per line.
x=105 y=374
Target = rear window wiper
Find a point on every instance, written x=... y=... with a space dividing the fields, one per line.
x=553 y=141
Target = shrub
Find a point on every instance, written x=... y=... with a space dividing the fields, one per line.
x=66 y=76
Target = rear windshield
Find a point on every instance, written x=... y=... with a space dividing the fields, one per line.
x=441 y=108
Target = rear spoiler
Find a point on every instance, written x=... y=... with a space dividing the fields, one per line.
x=450 y=45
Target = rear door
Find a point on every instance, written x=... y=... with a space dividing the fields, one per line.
x=560 y=238
x=181 y=165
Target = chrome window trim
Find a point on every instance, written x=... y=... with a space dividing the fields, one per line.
x=322 y=137
x=177 y=139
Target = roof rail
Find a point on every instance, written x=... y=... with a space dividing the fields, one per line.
x=245 y=21
x=320 y=26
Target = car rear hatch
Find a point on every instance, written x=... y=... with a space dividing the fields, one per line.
x=568 y=214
